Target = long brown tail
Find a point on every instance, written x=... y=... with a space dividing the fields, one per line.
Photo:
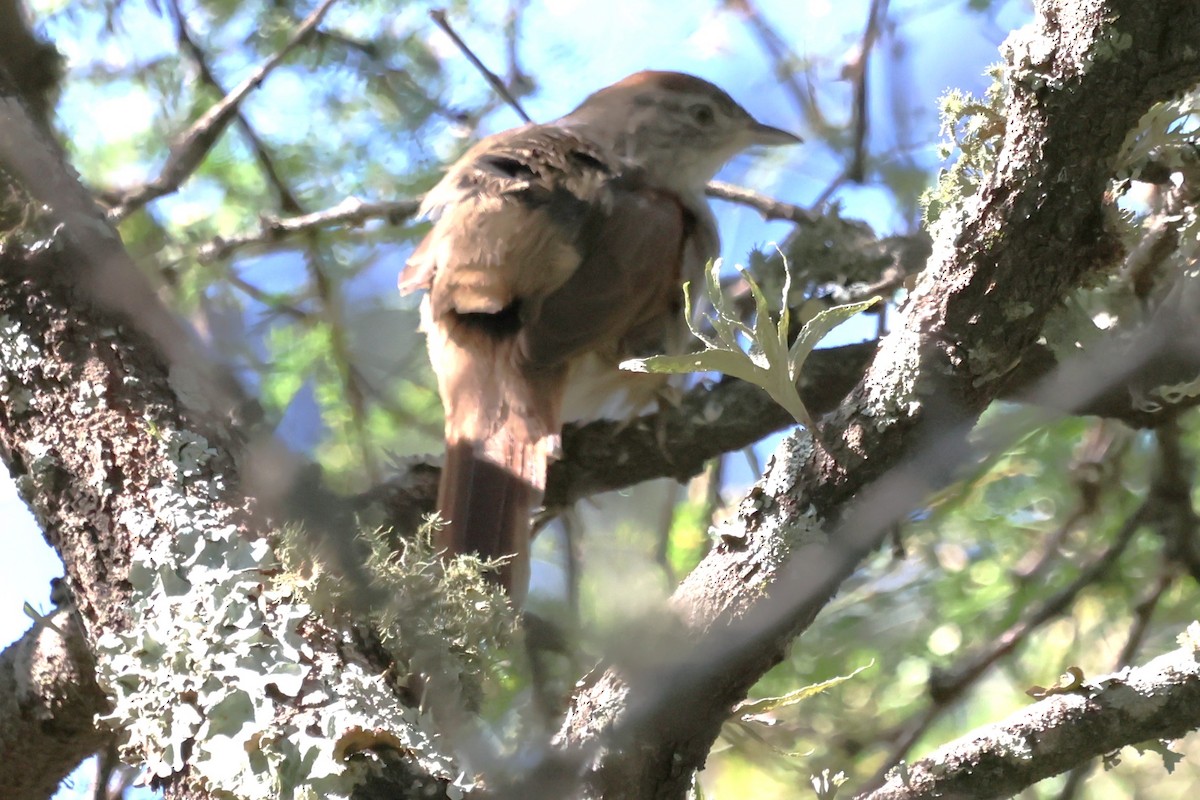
x=501 y=429
x=486 y=507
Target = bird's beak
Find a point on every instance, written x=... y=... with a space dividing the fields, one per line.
x=767 y=136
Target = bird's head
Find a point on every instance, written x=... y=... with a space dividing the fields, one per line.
x=679 y=128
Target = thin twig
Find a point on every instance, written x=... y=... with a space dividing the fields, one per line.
x=769 y=207
x=341 y=355
x=269 y=299
x=387 y=403
x=784 y=60
x=439 y=18
x=1143 y=612
x=1092 y=474
x=516 y=76
x=193 y=145
x=1175 y=519
x=351 y=211
x=287 y=200
x=860 y=118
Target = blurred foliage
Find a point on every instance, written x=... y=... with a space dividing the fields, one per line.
x=375 y=103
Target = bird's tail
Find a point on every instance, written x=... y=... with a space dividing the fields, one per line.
x=502 y=428
x=485 y=499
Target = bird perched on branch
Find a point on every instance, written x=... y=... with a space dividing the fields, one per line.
x=558 y=250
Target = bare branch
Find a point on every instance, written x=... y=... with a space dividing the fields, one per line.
x=1160 y=700
x=351 y=211
x=784 y=60
x=439 y=18
x=769 y=207
x=189 y=151
x=48 y=703
x=287 y=200
x=858 y=71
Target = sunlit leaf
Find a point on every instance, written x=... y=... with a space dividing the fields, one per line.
x=767 y=361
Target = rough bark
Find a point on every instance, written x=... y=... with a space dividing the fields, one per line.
x=1160 y=700
x=48 y=703
x=1029 y=236
x=85 y=396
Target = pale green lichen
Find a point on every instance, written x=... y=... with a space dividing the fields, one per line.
x=1165 y=137
x=974 y=127
x=442 y=619
x=19 y=357
x=1108 y=45
x=215 y=671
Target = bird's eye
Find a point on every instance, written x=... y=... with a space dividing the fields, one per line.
x=702 y=113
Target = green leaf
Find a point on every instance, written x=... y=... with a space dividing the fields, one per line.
x=768 y=361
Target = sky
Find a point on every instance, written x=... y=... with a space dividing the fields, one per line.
x=574 y=49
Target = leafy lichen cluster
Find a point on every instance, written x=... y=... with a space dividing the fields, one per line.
x=441 y=621
x=975 y=128
x=218 y=671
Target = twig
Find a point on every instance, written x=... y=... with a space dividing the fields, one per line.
x=949 y=687
x=861 y=111
x=516 y=76
x=350 y=211
x=829 y=190
x=269 y=299
x=1175 y=519
x=769 y=207
x=341 y=356
x=1143 y=612
x=194 y=144
x=1092 y=474
x=388 y=405
x=353 y=211
x=287 y=200
x=783 y=59
x=439 y=18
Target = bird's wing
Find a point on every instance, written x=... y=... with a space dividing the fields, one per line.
x=507 y=218
x=628 y=278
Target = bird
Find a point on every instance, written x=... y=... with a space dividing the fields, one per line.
x=556 y=251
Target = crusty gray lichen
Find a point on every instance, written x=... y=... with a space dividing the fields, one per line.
x=216 y=671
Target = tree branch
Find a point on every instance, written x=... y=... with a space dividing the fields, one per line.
x=1160 y=700
x=190 y=149
x=48 y=704
x=1002 y=261
x=350 y=211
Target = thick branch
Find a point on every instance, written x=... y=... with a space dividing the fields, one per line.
x=998 y=269
x=48 y=703
x=116 y=431
x=1160 y=700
